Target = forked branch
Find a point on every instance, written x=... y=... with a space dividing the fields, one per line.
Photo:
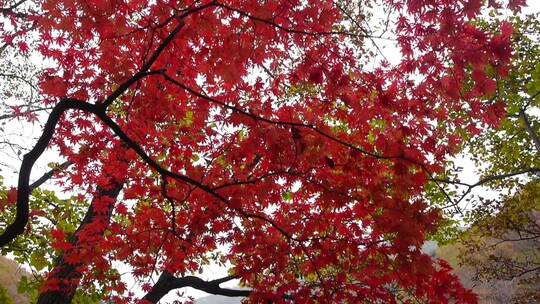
x=167 y=282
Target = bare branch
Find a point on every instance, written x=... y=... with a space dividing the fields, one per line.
x=6 y=11
x=168 y=282
x=489 y=178
x=481 y=182
x=49 y=174
x=29 y=159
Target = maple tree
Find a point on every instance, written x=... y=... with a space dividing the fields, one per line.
x=504 y=246
x=190 y=126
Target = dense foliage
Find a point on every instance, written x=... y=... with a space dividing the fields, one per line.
x=251 y=134
x=501 y=242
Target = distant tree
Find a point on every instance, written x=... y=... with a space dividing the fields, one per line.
x=502 y=240
x=508 y=153
x=19 y=76
x=503 y=243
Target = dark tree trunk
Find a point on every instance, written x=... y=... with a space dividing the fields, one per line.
x=68 y=275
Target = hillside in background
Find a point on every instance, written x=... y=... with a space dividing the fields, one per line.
x=491 y=292
x=10 y=274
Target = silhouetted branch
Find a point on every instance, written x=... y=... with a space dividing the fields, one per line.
x=304 y=126
x=481 y=182
x=49 y=174
x=168 y=282
x=29 y=159
x=23 y=189
x=489 y=178
x=6 y=11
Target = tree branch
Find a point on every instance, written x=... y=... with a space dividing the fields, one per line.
x=49 y=174
x=530 y=130
x=117 y=130
x=67 y=274
x=489 y=178
x=481 y=182
x=34 y=110
x=291 y=30
x=168 y=282
x=144 y=69
x=6 y=11
x=29 y=159
x=305 y=126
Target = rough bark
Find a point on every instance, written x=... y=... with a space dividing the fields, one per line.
x=68 y=274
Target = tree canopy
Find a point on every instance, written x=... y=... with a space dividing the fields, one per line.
x=267 y=136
